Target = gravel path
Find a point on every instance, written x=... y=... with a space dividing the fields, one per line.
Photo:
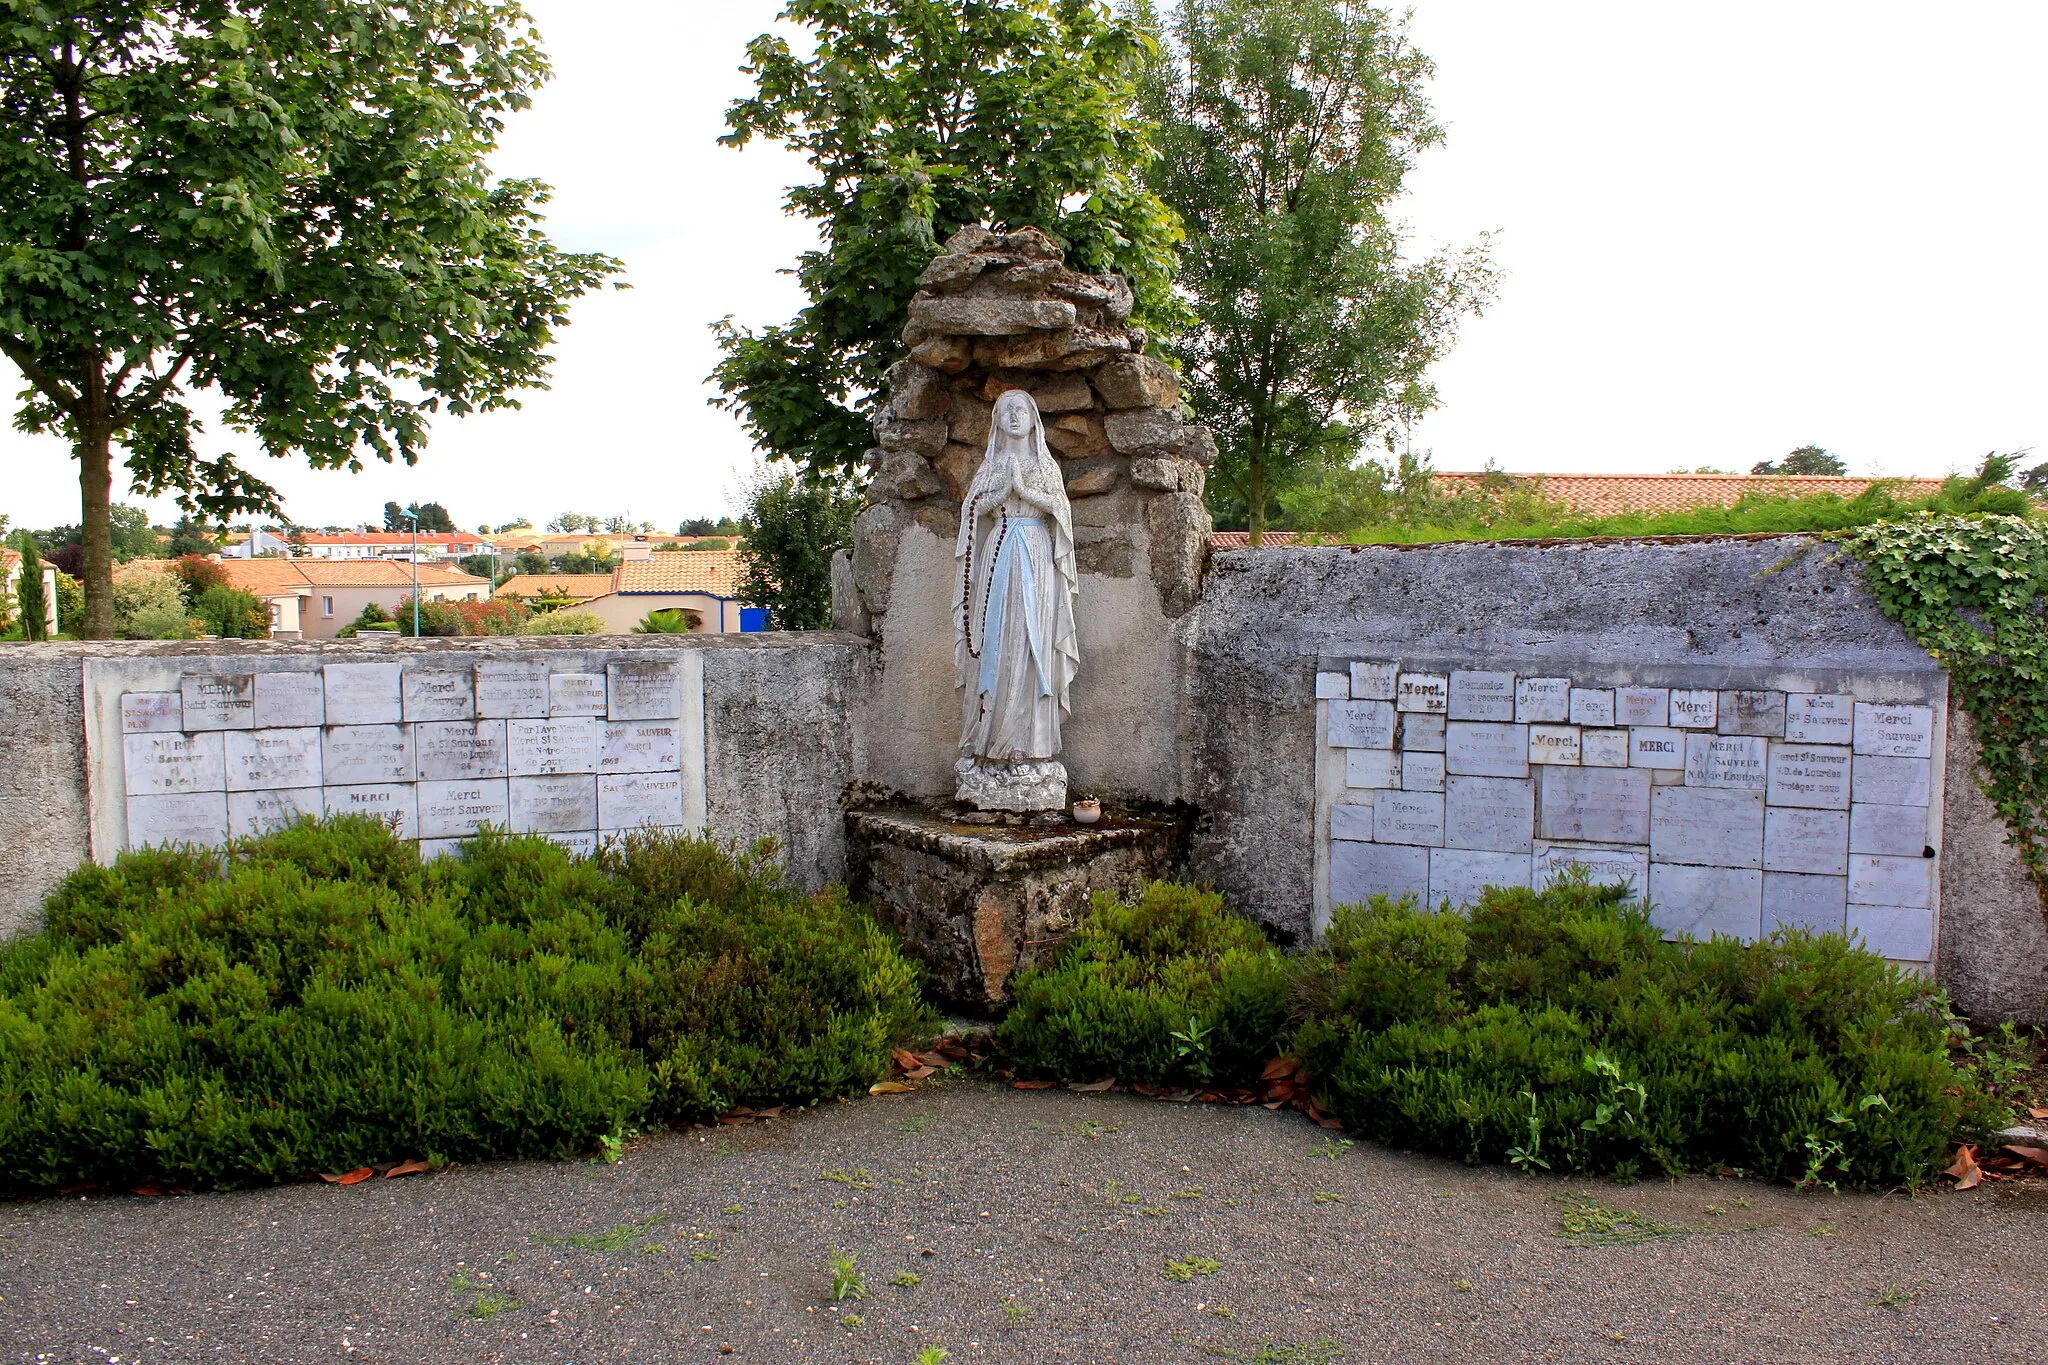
x=1040 y=1227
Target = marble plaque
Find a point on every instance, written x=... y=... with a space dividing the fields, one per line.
x=638 y=800
x=1904 y=933
x=1708 y=826
x=1814 y=718
x=1595 y=805
x=1878 y=880
x=1350 y=821
x=1798 y=900
x=431 y=849
x=1333 y=686
x=1422 y=732
x=1753 y=713
x=1629 y=867
x=1400 y=817
x=1361 y=724
x=453 y=810
x=580 y=844
x=1593 y=706
x=1603 y=748
x=1372 y=768
x=1358 y=872
x=1706 y=902
x=1897 y=831
x=644 y=691
x=1797 y=840
x=439 y=694
x=396 y=804
x=1421 y=772
x=365 y=755
x=289 y=701
x=1694 y=708
x=157 y=764
x=656 y=746
x=460 y=750
x=185 y=818
x=1890 y=731
x=273 y=760
x=564 y=745
x=1550 y=744
x=554 y=805
x=1493 y=813
x=1374 y=681
x=1427 y=692
x=1461 y=875
x=512 y=690
x=1486 y=749
x=362 y=694
x=1724 y=760
x=1642 y=706
x=1816 y=776
x=1654 y=747
x=1478 y=695
x=219 y=703
x=580 y=694
x=1884 y=781
x=259 y=812
x=152 y=712
x=1543 y=701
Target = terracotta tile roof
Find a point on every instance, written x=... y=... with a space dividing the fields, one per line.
x=266 y=577
x=716 y=572
x=393 y=539
x=1608 y=494
x=578 y=587
x=1242 y=540
x=276 y=576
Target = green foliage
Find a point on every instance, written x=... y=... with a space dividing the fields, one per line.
x=31 y=595
x=319 y=999
x=190 y=537
x=157 y=623
x=132 y=537
x=1807 y=460
x=706 y=526
x=1169 y=986
x=847 y=1281
x=146 y=590
x=668 y=621
x=231 y=613
x=566 y=622
x=922 y=117
x=792 y=525
x=708 y=543
x=70 y=604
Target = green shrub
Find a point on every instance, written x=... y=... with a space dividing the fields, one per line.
x=231 y=613
x=1169 y=987
x=566 y=622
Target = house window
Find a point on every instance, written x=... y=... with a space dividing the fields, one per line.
x=327 y=606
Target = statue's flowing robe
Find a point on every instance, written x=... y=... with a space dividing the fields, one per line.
x=1014 y=652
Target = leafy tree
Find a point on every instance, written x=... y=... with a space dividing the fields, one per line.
x=285 y=204
x=29 y=593
x=571 y=522
x=594 y=559
x=129 y=534
x=231 y=613
x=1286 y=130
x=668 y=621
x=70 y=603
x=922 y=117
x=433 y=517
x=792 y=526
x=705 y=526
x=483 y=566
x=198 y=574
x=1804 y=460
x=394 y=517
x=529 y=561
x=190 y=537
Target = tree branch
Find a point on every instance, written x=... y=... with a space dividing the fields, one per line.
x=50 y=386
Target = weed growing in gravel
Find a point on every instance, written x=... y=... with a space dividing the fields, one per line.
x=854 y=1179
x=1326 y=1197
x=484 y=1304
x=620 y=1238
x=852 y=1320
x=847 y=1281
x=1182 y=1271
x=916 y=1123
x=1585 y=1223
x=1332 y=1147
x=1321 y=1351
x=932 y=1355
x=1014 y=1312
x=906 y=1280
x=1897 y=1296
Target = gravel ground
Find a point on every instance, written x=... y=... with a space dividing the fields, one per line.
x=1040 y=1227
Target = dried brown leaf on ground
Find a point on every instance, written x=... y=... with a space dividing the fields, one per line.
x=1968 y=1174
x=354 y=1177
x=1092 y=1087
x=2033 y=1156
x=904 y=1059
x=413 y=1167
x=1033 y=1085
x=1280 y=1069
x=890 y=1088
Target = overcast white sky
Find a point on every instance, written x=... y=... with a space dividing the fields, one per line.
x=1726 y=231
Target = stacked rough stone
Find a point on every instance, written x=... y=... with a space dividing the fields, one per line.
x=1003 y=311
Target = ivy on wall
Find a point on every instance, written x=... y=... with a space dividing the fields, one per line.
x=1973 y=590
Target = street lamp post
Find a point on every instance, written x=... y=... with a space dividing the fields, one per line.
x=414 y=517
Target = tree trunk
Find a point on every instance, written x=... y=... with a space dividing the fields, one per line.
x=95 y=487
x=1257 y=520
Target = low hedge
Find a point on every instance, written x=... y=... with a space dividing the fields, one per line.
x=320 y=999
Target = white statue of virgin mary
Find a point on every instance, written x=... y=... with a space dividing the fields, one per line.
x=1014 y=649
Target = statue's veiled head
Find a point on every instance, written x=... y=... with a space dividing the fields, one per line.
x=1016 y=415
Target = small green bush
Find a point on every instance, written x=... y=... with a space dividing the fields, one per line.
x=1167 y=987
x=564 y=622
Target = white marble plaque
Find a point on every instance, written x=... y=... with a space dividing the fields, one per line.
x=1593 y=706
x=1904 y=933
x=1724 y=760
x=273 y=760
x=1799 y=900
x=362 y=694
x=562 y=804
x=512 y=690
x=454 y=810
x=579 y=844
x=1422 y=732
x=1642 y=706
x=567 y=744
x=639 y=800
x=1654 y=747
x=1400 y=817
x=254 y=813
x=396 y=804
x=1797 y=840
x=1426 y=692
x=163 y=764
x=1421 y=772
x=1374 y=681
x=1358 y=872
x=1815 y=718
x=1362 y=724
x=1486 y=748
x=432 y=849
x=1815 y=776
x=1878 y=880
x=1351 y=821
x=152 y=712
x=1461 y=875
x=1372 y=768
x=226 y=702
x=1333 y=686
x=289 y=701
x=1493 y=813
x=1603 y=748
x=186 y=818
x=1629 y=867
x=644 y=691
x=1886 y=781
x=1543 y=701
x=1897 y=831
x=1706 y=825
x=1549 y=744
x=439 y=694
x=460 y=750
x=1706 y=902
x=1595 y=805
x=656 y=746
x=1894 y=731
x=576 y=694
x=1694 y=708
x=1753 y=713
x=365 y=755
x=1480 y=695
